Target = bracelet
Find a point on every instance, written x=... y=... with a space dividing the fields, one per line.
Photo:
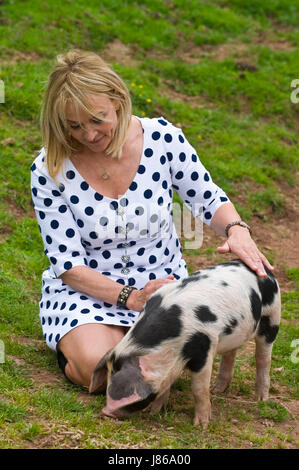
x=123 y=296
x=237 y=222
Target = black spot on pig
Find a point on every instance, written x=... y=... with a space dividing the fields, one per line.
x=157 y=323
x=268 y=287
x=230 y=326
x=265 y=329
x=195 y=351
x=187 y=280
x=153 y=302
x=224 y=284
x=256 y=306
x=204 y=313
x=233 y=262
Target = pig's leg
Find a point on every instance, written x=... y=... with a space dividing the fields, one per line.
x=226 y=371
x=160 y=402
x=263 y=351
x=201 y=392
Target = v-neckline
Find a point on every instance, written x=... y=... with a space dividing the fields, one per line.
x=73 y=168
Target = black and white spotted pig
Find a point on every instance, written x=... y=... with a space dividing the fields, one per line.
x=184 y=324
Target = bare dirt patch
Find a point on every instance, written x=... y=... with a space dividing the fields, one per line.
x=117 y=51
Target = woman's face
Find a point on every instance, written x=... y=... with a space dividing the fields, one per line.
x=95 y=135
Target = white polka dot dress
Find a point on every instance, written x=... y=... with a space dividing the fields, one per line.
x=131 y=239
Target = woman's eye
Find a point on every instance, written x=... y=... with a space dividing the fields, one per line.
x=77 y=126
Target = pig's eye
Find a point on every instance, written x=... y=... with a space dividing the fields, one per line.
x=116 y=366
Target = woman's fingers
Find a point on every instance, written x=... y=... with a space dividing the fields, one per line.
x=245 y=248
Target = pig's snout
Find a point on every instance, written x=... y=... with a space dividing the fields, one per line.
x=112 y=414
x=115 y=408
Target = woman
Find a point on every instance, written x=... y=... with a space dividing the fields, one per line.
x=102 y=188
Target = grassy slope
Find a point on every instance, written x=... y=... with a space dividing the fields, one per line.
x=221 y=70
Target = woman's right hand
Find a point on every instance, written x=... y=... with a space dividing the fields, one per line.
x=138 y=298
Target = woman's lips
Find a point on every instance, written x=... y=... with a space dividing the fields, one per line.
x=96 y=141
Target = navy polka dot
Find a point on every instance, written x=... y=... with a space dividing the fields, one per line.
x=67 y=265
x=48 y=202
x=70 y=174
x=98 y=318
x=179 y=175
x=156 y=135
x=161 y=121
x=84 y=186
x=54 y=224
x=148 y=194
x=62 y=209
x=148 y=152
x=74 y=199
x=141 y=169
x=70 y=233
x=89 y=210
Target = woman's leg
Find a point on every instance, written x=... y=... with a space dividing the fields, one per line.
x=84 y=346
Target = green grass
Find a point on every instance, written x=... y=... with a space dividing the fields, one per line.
x=235 y=109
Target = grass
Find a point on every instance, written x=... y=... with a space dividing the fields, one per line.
x=222 y=71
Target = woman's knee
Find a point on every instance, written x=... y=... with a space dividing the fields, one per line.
x=80 y=372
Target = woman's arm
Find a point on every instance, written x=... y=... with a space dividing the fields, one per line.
x=92 y=283
x=99 y=286
x=239 y=240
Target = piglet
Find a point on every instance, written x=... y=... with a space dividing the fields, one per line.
x=184 y=324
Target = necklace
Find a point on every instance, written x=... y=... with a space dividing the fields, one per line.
x=105 y=176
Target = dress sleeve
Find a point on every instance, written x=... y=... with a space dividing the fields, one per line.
x=190 y=178
x=60 y=234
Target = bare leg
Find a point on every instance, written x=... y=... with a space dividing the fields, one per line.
x=84 y=346
x=263 y=353
x=201 y=392
x=226 y=371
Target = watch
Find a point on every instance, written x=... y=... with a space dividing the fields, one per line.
x=237 y=222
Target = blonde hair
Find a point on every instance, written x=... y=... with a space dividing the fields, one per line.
x=76 y=75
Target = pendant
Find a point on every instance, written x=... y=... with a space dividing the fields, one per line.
x=105 y=176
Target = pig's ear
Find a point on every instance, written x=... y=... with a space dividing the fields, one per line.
x=99 y=376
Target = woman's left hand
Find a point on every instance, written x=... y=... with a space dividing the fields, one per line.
x=241 y=244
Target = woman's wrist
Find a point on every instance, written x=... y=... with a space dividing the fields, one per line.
x=237 y=229
x=134 y=301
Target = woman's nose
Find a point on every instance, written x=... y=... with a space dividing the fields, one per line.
x=91 y=135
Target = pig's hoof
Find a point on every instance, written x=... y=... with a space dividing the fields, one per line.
x=202 y=419
x=204 y=423
x=220 y=386
x=261 y=396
